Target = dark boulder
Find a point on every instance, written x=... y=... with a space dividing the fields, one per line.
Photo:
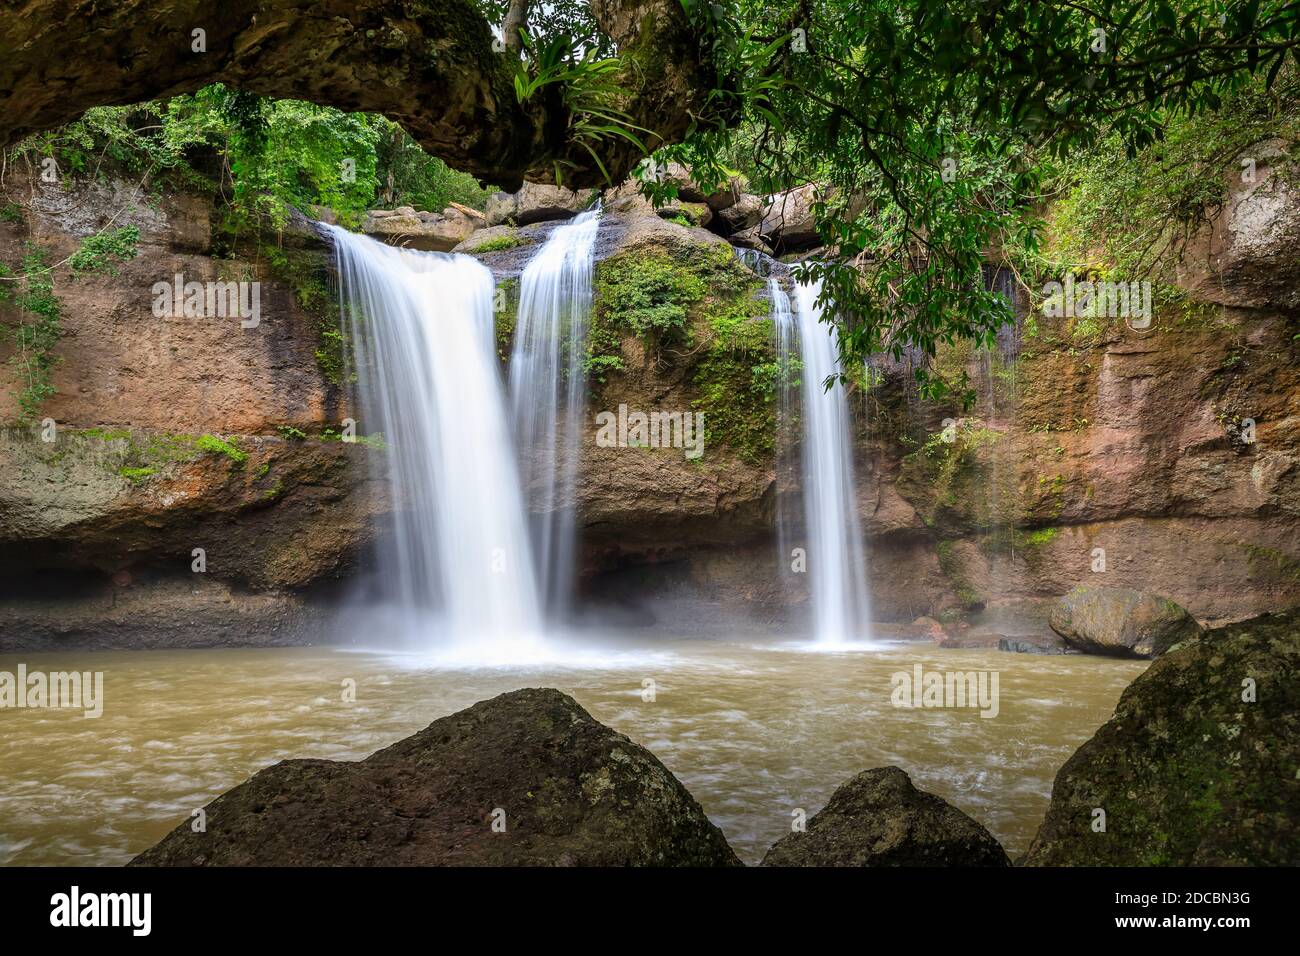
x=570 y=792
x=1200 y=766
x=879 y=819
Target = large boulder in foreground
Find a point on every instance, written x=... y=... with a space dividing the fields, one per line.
x=1121 y=622
x=879 y=819
x=571 y=792
x=1200 y=766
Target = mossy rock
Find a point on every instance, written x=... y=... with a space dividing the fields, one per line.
x=879 y=819
x=1200 y=766
x=676 y=292
x=1121 y=621
x=525 y=779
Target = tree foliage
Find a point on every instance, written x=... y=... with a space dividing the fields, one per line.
x=937 y=123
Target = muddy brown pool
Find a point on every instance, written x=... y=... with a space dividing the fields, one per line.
x=755 y=731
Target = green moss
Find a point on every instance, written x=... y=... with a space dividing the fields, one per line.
x=949 y=483
x=506 y=316
x=737 y=381
x=1040 y=537
x=698 y=299
x=107 y=434
x=649 y=295
x=1272 y=561
x=306 y=274
x=219 y=446
x=291 y=433
x=140 y=456
x=370 y=441
x=1051 y=495
x=499 y=243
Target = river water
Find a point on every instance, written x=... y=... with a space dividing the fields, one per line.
x=754 y=730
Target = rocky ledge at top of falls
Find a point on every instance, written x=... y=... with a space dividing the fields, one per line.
x=528 y=778
x=880 y=819
x=1200 y=766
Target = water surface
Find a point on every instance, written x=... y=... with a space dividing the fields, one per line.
x=754 y=731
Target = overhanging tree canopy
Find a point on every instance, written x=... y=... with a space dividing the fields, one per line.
x=430 y=65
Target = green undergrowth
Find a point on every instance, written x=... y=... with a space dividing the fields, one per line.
x=699 y=305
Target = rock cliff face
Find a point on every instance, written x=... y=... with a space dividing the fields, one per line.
x=1163 y=460
x=173 y=434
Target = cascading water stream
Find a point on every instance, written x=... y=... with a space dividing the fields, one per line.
x=459 y=567
x=835 y=552
x=546 y=393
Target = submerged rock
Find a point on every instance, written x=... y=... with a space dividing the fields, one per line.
x=879 y=819
x=1200 y=766
x=1121 y=621
x=528 y=778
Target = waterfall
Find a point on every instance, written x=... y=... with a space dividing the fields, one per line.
x=835 y=554
x=459 y=566
x=546 y=393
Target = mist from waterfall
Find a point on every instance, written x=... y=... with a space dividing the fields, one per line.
x=836 y=556
x=459 y=566
x=547 y=387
